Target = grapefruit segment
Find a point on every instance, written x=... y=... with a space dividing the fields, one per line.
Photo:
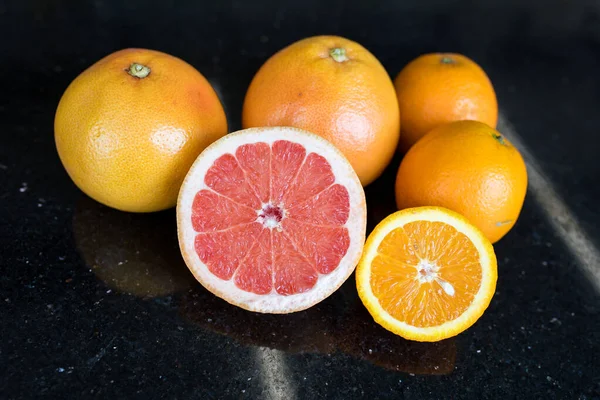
x=222 y=251
x=286 y=159
x=294 y=273
x=271 y=219
x=255 y=160
x=314 y=176
x=330 y=207
x=227 y=178
x=325 y=254
x=255 y=273
x=207 y=205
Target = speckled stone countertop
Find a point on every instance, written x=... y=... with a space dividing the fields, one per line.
x=96 y=303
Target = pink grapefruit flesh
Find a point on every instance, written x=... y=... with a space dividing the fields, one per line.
x=271 y=219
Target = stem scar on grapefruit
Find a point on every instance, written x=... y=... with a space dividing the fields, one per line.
x=129 y=127
x=272 y=220
x=335 y=88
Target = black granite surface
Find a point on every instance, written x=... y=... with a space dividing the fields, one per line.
x=96 y=303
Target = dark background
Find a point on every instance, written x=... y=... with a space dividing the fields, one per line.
x=95 y=303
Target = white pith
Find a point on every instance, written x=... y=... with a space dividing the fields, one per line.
x=428 y=272
x=272 y=302
x=268 y=222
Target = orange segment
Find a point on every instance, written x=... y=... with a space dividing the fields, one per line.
x=426 y=273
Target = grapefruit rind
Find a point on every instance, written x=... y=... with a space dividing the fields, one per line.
x=272 y=303
x=481 y=301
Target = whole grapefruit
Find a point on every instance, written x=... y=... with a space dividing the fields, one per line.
x=333 y=87
x=128 y=128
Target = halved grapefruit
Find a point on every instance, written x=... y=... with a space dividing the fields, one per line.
x=272 y=220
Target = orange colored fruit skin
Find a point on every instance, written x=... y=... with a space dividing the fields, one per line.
x=432 y=92
x=470 y=168
x=128 y=142
x=351 y=103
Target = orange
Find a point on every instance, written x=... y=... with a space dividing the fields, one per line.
x=439 y=88
x=470 y=168
x=272 y=220
x=426 y=273
x=335 y=88
x=128 y=128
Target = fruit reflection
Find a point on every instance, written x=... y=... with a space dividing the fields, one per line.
x=338 y=324
x=306 y=331
x=136 y=254
x=363 y=337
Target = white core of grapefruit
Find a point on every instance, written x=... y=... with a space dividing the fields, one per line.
x=272 y=302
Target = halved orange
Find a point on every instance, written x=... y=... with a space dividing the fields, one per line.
x=426 y=273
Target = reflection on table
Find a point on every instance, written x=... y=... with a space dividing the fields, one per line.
x=137 y=254
x=338 y=324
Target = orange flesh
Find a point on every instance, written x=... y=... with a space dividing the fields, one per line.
x=272 y=218
x=425 y=273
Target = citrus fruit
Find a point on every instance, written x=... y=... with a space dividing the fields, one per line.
x=128 y=128
x=426 y=273
x=335 y=88
x=438 y=88
x=271 y=219
x=470 y=168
